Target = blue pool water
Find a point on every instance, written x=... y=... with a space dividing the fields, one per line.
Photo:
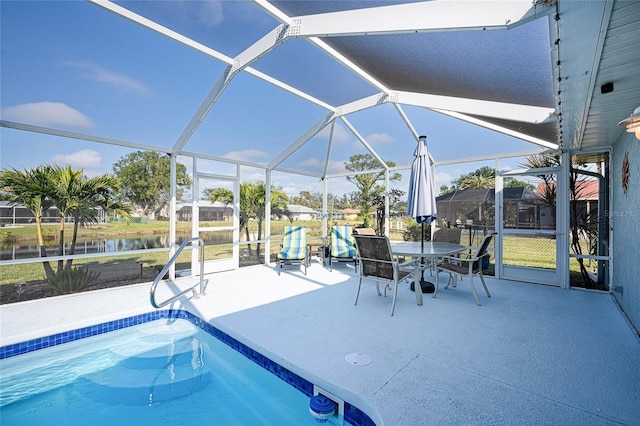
x=166 y=371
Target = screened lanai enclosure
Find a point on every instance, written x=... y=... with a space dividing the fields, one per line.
x=297 y=96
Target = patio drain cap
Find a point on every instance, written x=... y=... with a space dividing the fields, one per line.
x=357 y=358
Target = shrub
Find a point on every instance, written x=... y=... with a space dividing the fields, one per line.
x=71 y=280
x=412 y=233
x=49 y=234
x=7 y=237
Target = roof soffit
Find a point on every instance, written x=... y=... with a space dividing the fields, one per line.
x=618 y=63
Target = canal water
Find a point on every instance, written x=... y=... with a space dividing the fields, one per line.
x=25 y=250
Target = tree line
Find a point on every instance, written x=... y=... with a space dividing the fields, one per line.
x=140 y=183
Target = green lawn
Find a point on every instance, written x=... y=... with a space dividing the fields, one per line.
x=529 y=252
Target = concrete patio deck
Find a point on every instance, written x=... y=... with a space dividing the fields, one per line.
x=530 y=355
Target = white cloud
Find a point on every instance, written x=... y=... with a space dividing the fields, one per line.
x=442 y=178
x=112 y=78
x=257 y=176
x=83 y=159
x=379 y=138
x=342 y=135
x=250 y=155
x=47 y=114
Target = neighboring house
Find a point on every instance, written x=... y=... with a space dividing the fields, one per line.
x=524 y=208
x=208 y=212
x=298 y=212
x=587 y=197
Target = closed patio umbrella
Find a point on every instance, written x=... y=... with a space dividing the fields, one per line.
x=421 y=202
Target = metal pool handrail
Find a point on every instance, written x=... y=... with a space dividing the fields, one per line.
x=152 y=293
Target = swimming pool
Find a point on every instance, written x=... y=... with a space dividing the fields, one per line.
x=165 y=367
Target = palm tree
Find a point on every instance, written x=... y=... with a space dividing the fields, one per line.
x=253 y=206
x=76 y=196
x=32 y=189
x=81 y=198
x=548 y=190
x=478 y=182
x=482 y=178
x=64 y=197
x=99 y=194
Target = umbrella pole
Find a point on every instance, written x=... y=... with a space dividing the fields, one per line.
x=426 y=286
x=422 y=250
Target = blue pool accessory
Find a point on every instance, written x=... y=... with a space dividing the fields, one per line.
x=321 y=408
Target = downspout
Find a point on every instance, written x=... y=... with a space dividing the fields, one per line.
x=498 y=220
x=563 y=219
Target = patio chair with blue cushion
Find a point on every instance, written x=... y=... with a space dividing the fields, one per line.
x=377 y=263
x=343 y=246
x=466 y=265
x=294 y=248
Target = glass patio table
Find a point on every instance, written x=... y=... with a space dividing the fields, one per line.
x=419 y=251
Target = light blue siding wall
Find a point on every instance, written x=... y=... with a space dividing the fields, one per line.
x=625 y=219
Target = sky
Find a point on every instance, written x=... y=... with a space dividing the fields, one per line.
x=73 y=66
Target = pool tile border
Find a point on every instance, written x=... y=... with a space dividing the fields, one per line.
x=352 y=415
